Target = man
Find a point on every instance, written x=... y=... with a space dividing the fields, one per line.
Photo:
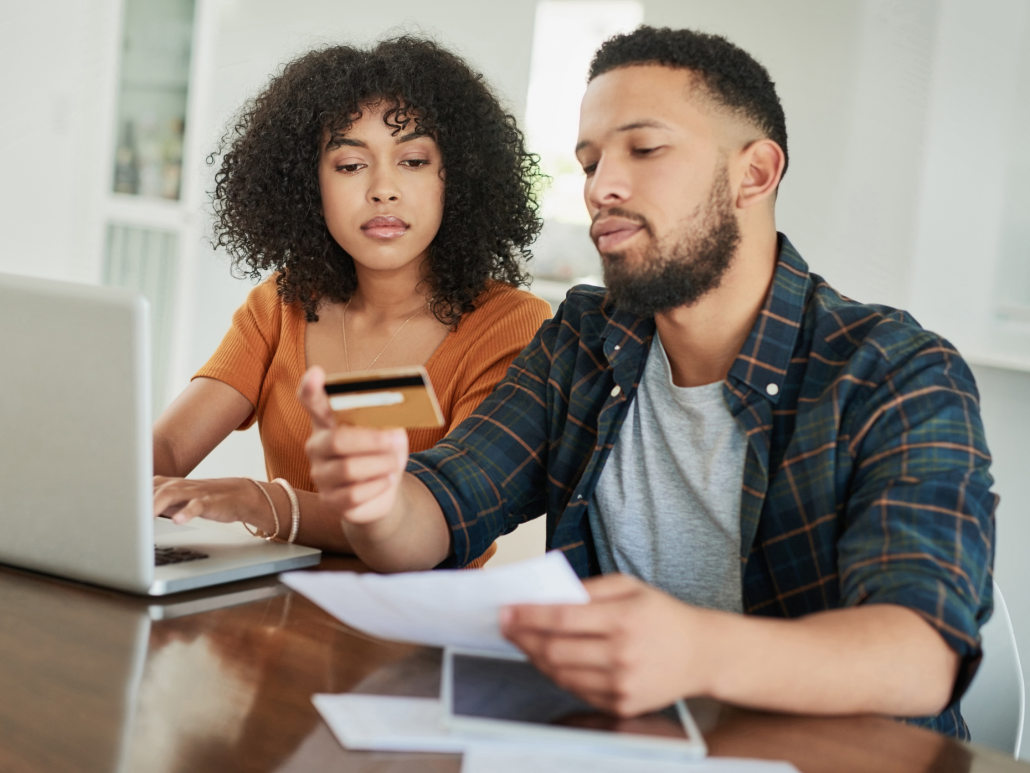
x=720 y=424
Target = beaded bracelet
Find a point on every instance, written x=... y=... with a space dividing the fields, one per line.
x=294 y=508
x=261 y=532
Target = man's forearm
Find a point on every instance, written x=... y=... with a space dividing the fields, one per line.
x=414 y=536
x=879 y=658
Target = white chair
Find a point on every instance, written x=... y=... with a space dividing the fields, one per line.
x=994 y=704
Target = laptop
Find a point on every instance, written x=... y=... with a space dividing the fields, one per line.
x=76 y=469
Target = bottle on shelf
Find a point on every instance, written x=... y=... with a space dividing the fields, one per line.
x=126 y=162
x=172 y=174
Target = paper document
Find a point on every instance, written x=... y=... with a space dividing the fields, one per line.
x=484 y=760
x=387 y=723
x=457 y=608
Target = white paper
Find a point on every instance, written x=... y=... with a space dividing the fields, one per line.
x=488 y=760
x=387 y=723
x=457 y=608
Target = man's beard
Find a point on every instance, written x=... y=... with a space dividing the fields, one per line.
x=680 y=273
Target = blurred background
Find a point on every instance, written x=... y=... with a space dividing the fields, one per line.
x=907 y=186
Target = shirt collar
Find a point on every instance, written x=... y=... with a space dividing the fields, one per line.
x=763 y=360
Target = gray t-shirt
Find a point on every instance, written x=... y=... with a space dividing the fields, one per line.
x=667 y=506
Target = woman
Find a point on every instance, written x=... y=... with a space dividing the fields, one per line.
x=393 y=200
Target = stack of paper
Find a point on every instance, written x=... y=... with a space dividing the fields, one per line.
x=490 y=761
x=461 y=609
x=386 y=723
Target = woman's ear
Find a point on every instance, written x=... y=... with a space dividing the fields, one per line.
x=763 y=162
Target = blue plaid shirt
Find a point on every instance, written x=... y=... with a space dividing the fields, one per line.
x=866 y=476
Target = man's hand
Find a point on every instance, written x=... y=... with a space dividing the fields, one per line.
x=632 y=649
x=357 y=470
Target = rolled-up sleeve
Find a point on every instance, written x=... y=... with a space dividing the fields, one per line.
x=489 y=474
x=919 y=525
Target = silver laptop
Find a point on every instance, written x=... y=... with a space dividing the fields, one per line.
x=76 y=470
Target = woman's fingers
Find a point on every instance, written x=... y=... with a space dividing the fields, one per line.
x=221 y=499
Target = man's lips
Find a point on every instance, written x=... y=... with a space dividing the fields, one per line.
x=611 y=232
x=384 y=227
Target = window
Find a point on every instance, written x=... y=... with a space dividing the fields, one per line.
x=566 y=35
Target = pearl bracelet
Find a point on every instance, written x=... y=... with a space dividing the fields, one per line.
x=294 y=508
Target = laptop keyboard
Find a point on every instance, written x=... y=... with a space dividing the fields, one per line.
x=164 y=556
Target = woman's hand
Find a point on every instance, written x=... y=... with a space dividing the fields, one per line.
x=219 y=499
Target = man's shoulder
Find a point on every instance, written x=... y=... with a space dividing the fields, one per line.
x=852 y=332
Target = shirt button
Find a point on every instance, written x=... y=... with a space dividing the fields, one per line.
x=616 y=391
x=617 y=347
x=772 y=389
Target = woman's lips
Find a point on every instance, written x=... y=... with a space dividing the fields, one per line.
x=384 y=227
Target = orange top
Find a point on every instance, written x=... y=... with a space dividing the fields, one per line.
x=262 y=357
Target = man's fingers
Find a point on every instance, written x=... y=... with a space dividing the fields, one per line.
x=346 y=440
x=553 y=653
x=357 y=501
x=608 y=587
x=359 y=469
x=594 y=619
x=311 y=394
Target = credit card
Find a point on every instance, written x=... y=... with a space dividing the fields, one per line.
x=391 y=397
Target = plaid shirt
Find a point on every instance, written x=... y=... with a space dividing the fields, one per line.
x=866 y=476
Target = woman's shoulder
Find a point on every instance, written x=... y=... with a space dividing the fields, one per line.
x=499 y=299
x=265 y=302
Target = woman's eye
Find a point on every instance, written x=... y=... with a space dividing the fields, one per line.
x=643 y=151
x=415 y=163
x=588 y=169
x=349 y=167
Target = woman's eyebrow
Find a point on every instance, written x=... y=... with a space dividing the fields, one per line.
x=335 y=142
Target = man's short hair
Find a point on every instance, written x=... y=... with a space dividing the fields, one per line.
x=731 y=75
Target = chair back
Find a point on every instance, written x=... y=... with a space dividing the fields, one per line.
x=994 y=704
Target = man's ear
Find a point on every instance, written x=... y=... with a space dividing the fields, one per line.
x=763 y=162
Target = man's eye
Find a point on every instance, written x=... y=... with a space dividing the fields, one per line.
x=349 y=167
x=643 y=151
x=589 y=169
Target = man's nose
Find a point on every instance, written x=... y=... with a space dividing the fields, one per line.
x=607 y=186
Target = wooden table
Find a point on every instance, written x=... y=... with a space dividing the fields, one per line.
x=92 y=680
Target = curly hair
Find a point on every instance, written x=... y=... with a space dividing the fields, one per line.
x=731 y=75
x=267 y=201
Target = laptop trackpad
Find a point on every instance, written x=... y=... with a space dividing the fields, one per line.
x=163 y=527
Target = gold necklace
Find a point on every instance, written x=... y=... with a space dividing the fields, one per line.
x=346 y=354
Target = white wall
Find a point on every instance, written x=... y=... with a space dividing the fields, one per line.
x=57 y=64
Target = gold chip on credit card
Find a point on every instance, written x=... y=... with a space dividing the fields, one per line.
x=391 y=397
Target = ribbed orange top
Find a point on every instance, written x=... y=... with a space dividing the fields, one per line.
x=262 y=357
